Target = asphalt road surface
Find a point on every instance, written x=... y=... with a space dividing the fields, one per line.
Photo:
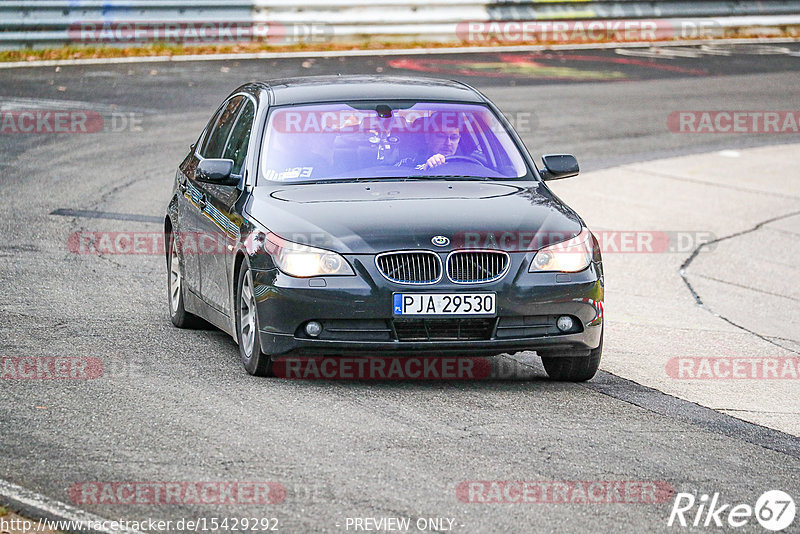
x=177 y=405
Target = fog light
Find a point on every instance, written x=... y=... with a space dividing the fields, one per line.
x=313 y=328
x=565 y=323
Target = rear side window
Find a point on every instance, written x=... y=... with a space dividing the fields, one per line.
x=236 y=148
x=221 y=128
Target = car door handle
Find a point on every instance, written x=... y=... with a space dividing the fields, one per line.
x=201 y=203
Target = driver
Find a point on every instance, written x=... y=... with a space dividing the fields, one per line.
x=442 y=135
x=442 y=140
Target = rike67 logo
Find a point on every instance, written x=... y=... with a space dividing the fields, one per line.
x=774 y=510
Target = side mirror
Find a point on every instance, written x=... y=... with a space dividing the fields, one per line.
x=558 y=166
x=215 y=171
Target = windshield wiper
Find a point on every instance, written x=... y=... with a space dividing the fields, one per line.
x=391 y=179
x=451 y=176
x=336 y=181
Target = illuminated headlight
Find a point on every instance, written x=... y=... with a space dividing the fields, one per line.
x=304 y=261
x=570 y=256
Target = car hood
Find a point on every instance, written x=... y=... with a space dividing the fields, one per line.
x=373 y=217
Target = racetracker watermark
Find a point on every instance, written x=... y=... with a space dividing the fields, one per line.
x=735 y=122
x=585 y=31
x=177 y=493
x=50 y=368
x=19 y=525
x=144 y=243
x=188 y=243
x=194 y=243
x=734 y=368
x=565 y=492
x=609 y=241
x=383 y=368
x=55 y=121
x=402 y=123
x=197 y=32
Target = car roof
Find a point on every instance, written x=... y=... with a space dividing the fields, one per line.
x=310 y=89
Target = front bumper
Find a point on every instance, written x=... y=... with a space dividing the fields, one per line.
x=356 y=312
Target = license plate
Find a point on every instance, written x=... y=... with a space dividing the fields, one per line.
x=444 y=304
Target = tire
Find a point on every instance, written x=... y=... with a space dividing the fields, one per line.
x=177 y=313
x=255 y=362
x=573 y=368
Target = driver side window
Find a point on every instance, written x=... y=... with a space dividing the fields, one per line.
x=222 y=124
x=236 y=147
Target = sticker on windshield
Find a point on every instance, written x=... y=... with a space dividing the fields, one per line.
x=292 y=173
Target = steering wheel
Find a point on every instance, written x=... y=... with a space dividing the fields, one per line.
x=465 y=159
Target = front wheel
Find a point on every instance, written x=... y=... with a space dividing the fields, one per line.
x=255 y=362
x=568 y=368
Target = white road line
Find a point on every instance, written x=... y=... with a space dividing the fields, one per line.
x=390 y=52
x=38 y=506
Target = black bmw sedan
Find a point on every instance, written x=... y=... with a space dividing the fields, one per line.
x=379 y=216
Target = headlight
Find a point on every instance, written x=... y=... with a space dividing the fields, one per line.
x=569 y=256
x=304 y=261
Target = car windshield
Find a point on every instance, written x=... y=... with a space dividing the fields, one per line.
x=391 y=140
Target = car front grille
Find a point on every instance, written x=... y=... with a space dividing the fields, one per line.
x=444 y=329
x=410 y=267
x=476 y=266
